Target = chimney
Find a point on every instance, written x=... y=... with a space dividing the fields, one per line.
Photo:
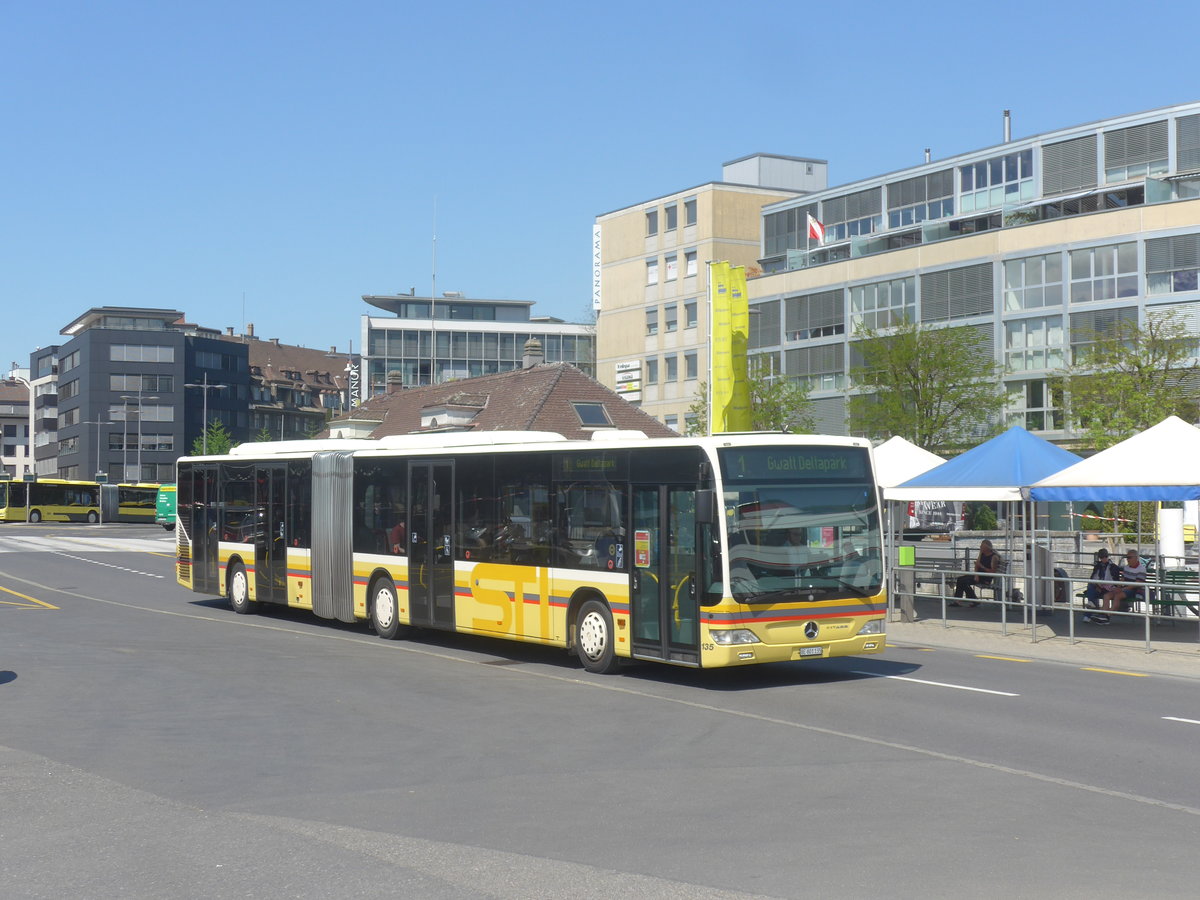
x=926 y=154
x=249 y=329
x=275 y=341
x=229 y=330
x=395 y=381
x=1007 y=126
x=533 y=354
x=333 y=351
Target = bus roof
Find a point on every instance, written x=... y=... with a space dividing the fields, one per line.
x=518 y=440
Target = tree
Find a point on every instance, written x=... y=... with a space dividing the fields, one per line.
x=777 y=403
x=218 y=439
x=264 y=435
x=936 y=387
x=1129 y=377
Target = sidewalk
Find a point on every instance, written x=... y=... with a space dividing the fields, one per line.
x=1174 y=647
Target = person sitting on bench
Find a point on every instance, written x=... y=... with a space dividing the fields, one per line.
x=1133 y=572
x=987 y=564
x=1104 y=573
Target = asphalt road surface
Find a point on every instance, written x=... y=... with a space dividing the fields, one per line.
x=155 y=744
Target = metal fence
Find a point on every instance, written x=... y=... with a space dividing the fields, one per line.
x=1029 y=591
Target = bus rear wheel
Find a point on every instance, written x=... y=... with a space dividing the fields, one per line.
x=385 y=610
x=239 y=590
x=594 y=638
x=93 y=517
x=35 y=515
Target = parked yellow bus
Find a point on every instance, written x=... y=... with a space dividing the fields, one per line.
x=49 y=500
x=705 y=552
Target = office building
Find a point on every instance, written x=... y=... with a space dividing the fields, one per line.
x=434 y=340
x=1037 y=244
x=650 y=276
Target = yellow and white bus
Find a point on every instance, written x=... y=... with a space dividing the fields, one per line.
x=137 y=503
x=49 y=500
x=707 y=552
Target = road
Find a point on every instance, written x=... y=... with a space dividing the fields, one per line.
x=154 y=744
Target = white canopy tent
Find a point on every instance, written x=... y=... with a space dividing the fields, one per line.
x=1161 y=463
x=897 y=460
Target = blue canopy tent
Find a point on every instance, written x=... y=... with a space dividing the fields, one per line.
x=994 y=471
x=998 y=470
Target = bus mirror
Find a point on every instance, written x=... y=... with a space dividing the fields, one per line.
x=706 y=507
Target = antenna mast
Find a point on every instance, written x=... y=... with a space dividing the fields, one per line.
x=433 y=301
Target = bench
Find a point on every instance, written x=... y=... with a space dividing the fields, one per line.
x=1181 y=587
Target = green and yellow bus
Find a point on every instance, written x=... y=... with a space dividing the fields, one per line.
x=49 y=500
x=704 y=552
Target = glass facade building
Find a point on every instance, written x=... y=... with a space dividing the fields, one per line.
x=452 y=338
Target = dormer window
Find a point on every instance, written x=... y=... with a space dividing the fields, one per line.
x=592 y=415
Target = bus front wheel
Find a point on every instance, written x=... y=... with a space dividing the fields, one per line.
x=239 y=590
x=594 y=638
x=35 y=515
x=385 y=610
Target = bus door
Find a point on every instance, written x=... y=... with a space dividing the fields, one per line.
x=665 y=610
x=430 y=547
x=270 y=545
x=204 y=512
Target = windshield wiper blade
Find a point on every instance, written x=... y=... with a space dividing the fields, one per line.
x=793 y=592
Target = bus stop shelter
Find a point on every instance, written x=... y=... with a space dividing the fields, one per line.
x=996 y=471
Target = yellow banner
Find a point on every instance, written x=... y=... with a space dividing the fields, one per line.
x=720 y=344
x=738 y=416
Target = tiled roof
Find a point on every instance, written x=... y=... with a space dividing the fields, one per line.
x=14 y=393
x=279 y=363
x=535 y=399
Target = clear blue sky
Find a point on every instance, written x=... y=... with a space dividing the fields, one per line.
x=292 y=153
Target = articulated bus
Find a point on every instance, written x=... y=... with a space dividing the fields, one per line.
x=704 y=552
x=50 y=500
x=136 y=503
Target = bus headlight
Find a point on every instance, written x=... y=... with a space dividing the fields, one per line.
x=734 y=636
x=872 y=626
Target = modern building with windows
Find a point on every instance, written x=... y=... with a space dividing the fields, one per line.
x=449 y=338
x=114 y=398
x=650 y=277
x=1037 y=244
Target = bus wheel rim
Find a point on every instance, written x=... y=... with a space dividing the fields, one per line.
x=593 y=636
x=239 y=586
x=385 y=608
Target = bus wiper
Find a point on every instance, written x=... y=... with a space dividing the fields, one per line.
x=791 y=593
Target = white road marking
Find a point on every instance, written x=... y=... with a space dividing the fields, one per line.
x=1177 y=719
x=957 y=687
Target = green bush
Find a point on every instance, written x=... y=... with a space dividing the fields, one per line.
x=982 y=518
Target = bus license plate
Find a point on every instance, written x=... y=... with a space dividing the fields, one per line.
x=811 y=651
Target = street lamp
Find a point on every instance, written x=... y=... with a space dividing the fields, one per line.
x=206 y=387
x=99 y=424
x=13 y=376
x=125 y=461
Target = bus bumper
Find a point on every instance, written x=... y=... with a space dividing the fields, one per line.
x=784 y=645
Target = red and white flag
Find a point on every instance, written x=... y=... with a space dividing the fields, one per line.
x=816 y=230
